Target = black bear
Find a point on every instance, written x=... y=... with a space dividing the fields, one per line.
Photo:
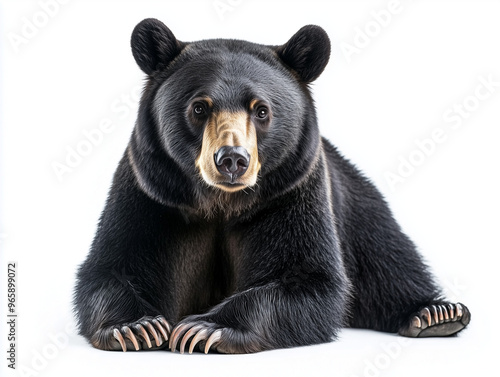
x=233 y=226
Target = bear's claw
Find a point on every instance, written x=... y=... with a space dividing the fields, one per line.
x=200 y=335
x=437 y=320
x=137 y=335
x=200 y=331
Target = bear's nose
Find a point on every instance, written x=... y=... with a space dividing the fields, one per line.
x=232 y=161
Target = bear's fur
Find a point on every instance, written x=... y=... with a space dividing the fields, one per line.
x=275 y=241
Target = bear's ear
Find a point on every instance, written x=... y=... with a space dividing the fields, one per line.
x=154 y=46
x=307 y=52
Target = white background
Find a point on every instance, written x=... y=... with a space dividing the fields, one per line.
x=77 y=71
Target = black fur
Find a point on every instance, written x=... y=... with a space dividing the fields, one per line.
x=311 y=248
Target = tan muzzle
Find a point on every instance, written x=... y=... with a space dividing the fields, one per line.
x=229 y=156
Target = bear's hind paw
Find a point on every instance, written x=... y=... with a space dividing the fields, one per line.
x=437 y=320
x=135 y=335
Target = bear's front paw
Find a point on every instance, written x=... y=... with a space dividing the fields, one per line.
x=211 y=336
x=206 y=333
x=134 y=335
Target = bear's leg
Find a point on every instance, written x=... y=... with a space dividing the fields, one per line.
x=263 y=318
x=291 y=285
x=124 y=292
x=393 y=289
x=437 y=320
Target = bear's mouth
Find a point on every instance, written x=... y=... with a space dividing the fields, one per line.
x=230 y=184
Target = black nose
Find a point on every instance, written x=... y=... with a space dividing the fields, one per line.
x=232 y=161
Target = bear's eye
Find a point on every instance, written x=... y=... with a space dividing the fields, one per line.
x=199 y=109
x=262 y=112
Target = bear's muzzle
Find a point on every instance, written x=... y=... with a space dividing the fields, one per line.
x=229 y=155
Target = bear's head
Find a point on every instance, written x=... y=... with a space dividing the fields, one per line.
x=219 y=116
